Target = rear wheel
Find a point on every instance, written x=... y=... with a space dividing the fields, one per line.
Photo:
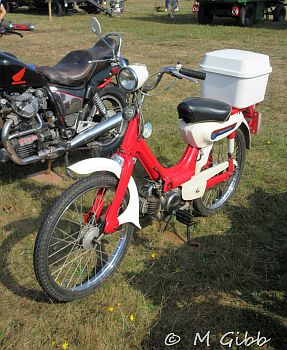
x=279 y=13
x=216 y=197
x=247 y=15
x=115 y=100
x=205 y=16
x=70 y=258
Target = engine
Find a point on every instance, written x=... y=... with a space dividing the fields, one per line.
x=32 y=126
x=154 y=202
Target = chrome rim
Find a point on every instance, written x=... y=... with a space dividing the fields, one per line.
x=77 y=256
x=217 y=195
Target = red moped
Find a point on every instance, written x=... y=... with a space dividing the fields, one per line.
x=85 y=234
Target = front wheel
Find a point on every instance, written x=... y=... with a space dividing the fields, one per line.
x=216 y=197
x=71 y=259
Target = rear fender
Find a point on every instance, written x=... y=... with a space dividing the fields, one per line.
x=244 y=127
x=92 y=165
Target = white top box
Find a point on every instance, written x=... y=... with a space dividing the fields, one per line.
x=236 y=77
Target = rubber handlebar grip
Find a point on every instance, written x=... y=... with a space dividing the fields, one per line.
x=192 y=73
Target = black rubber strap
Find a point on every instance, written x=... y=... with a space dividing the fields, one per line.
x=192 y=73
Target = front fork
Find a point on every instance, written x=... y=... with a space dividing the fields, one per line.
x=112 y=213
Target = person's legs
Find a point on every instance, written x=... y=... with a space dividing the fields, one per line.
x=176 y=5
x=166 y=5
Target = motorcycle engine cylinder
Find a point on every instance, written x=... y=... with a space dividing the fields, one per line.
x=26 y=105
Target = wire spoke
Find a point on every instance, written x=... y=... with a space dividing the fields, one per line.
x=66 y=256
x=66 y=264
x=58 y=251
x=62 y=239
x=72 y=221
x=82 y=270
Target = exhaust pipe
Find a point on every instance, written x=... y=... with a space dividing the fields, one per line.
x=96 y=131
x=58 y=150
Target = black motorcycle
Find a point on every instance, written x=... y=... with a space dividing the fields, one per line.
x=47 y=111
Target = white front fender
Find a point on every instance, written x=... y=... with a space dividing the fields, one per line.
x=92 y=165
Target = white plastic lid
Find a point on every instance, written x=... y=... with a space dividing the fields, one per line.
x=237 y=63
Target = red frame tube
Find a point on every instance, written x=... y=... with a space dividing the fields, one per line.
x=132 y=147
x=106 y=82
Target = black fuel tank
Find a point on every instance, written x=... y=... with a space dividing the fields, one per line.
x=18 y=76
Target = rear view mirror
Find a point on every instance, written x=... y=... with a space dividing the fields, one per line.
x=96 y=27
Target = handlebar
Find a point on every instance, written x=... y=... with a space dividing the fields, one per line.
x=178 y=72
x=116 y=51
x=192 y=73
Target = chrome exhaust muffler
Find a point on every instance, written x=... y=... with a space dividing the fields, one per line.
x=57 y=150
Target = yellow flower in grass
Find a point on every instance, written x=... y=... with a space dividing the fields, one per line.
x=154 y=255
x=111 y=308
x=268 y=142
x=132 y=317
x=53 y=342
x=65 y=345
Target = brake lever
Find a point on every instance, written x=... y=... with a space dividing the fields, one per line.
x=174 y=71
x=182 y=76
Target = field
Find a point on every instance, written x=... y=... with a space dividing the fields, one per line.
x=234 y=280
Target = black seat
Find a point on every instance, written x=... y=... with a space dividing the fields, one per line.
x=74 y=69
x=199 y=110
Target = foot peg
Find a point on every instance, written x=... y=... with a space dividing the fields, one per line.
x=186 y=219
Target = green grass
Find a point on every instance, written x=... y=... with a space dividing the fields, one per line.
x=235 y=280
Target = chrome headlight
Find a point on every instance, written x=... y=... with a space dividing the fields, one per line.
x=132 y=78
x=128 y=79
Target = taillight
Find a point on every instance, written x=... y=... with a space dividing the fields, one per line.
x=235 y=11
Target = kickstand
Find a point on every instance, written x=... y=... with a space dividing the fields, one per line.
x=67 y=171
x=49 y=166
x=166 y=224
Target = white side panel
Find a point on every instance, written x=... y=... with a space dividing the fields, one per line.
x=91 y=165
x=195 y=187
x=202 y=134
x=203 y=158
